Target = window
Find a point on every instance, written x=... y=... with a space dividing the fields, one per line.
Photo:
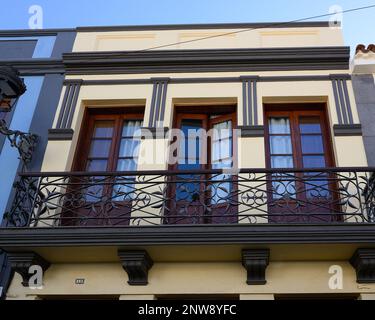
x=206 y=143
x=297 y=137
x=109 y=143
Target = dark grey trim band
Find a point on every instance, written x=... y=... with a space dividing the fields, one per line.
x=188 y=235
x=256 y=25
x=36 y=66
x=60 y=134
x=251 y=131
x=347 y=130
x=68 y=105
x=159 y=95
x=208 y=60
x=154 y=133
x=342 y=100
x=204 y=80
x=110 y=82
x=33 y=32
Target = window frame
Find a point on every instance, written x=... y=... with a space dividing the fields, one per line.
x=293 y=112
x=87 y=130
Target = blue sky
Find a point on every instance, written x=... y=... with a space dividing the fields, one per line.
x=358 y=26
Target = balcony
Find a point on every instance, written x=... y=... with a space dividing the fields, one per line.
x=83 y=217
x=206 y=197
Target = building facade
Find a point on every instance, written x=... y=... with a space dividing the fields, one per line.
x=37 y=56
x=263 y=190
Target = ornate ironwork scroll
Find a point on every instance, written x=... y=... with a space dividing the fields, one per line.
x=335 y=195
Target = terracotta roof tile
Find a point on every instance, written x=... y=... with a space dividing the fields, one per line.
x=362 y=48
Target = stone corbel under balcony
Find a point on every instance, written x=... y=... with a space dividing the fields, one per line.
x=136 y=263
x=21 y=262
x=255 y=261
x=363 y=261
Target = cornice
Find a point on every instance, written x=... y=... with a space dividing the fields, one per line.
x=208 y=60
x=345 y=233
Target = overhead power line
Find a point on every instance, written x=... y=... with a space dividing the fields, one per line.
x=268 y=25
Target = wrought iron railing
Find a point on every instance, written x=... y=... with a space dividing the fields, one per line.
x=331 y=195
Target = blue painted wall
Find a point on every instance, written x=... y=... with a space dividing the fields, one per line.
x=9 y=157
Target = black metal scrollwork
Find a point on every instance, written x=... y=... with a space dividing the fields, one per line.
x=335 y=195
x=24 y=142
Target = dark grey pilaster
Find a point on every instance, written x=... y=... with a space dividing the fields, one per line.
x=158 y=101
x=249 y=99
x=342 y=101
x=68 y=105
x=250 y=124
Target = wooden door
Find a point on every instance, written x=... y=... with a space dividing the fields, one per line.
x=202 y=198
x=299 y=139
x=107 y=144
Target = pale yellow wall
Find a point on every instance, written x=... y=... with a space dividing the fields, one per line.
x=218 y=38
x=350 y=151
x=192 y=278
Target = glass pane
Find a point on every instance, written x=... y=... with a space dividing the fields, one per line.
x=317 y=188
x=279 y=125
x=220 y=192
x=314 y=162
x=100 y=148
x=189 y=190
x=221 y=144
x=222 y=130
x=126 y=165
x=283 y=188
x=94 y=193
x=96 y=165
x=312 y=144
x=125 y=190
x=132 y=127
x=221 y=149
x=281 y=145
x=129 y=148
x=103 y=129
x=310 y=125
x=190 y=149
x=190 y=124
x=222 y=164
x=189 y=165
x=282 y=162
